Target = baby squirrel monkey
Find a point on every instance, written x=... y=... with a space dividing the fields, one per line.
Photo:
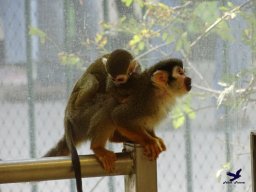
x=87 y=97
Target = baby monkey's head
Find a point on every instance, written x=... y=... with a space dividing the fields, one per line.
x=120 y=65
x=170 y=76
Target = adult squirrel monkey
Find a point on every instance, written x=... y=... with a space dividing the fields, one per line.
x=133 y=117
x=87 y=97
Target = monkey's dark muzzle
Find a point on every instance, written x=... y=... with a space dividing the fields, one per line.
x=188 y=82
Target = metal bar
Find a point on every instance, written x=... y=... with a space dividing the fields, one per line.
x=145 y=176
x=253 y=160
x=53 y=168
x=30 y=84
x=31 y=95
x=188 y=156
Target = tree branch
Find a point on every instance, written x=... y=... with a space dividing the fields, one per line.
x=194 y=68
x=209 y=90
x=225 y=16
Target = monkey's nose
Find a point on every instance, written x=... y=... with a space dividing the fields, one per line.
x=120 y=80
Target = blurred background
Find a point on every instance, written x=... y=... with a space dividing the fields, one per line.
x=46 y=45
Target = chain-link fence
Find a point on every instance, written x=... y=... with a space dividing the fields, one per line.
x=45 y=46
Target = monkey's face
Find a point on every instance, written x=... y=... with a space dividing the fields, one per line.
x=125 y=73
x=179 y=82
x=120 y=65
x=173 y=82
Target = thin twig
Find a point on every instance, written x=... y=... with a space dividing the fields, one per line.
x=193 y=111
x=188 y=3
x=194 y=68
x=151 y=50
x=225 y=16
x=207 y=89
x=200 y=36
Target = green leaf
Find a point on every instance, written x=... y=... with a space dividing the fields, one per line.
x=223 y=30
x=227 y=166
x=195 y=26
x=230 y=4
x=170 y=39
x=189 y=111
x=141 y=46
x=208 y=11
x=179 y=44
x=178 y=122
x=178 y=117
x=141 y=3
x=73 y=59
x=34 y=31
x=224 y=8
x=69 y=59
x=136 y=39
x=127 y=2
x=101 y=40
x=164 y=36
x=183 y=43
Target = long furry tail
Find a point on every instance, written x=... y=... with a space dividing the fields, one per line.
x=74 y=156
x=66 y=146
x=61 y=149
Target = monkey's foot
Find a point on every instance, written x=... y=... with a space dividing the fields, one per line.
x=107 y=159
x=154 y=148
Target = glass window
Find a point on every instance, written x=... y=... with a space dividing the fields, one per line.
x=45 y=46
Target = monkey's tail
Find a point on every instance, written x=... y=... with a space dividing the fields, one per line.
x=61 y=149
x=74 y=156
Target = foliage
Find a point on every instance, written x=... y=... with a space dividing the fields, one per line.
x=181 y=28
x=165 y=24
x=162 y=28
x=181 y=110
x=68 y=59
x=34 y=31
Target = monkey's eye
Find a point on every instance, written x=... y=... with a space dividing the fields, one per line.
x=181 y=71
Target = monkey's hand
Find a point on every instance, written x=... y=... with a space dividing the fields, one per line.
x=153 y=148
x=106 y=158
x=161 y=142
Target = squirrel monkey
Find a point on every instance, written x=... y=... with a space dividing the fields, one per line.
x=151 y=96
x=113 y=69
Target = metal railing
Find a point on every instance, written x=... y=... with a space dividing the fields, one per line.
x=140 y=173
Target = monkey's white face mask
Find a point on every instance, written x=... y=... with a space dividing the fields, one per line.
x=123 y=78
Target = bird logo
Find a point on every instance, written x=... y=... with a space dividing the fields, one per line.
x=234 y=176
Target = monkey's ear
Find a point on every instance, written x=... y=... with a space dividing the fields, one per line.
x=160 y=77
x=104 y=60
